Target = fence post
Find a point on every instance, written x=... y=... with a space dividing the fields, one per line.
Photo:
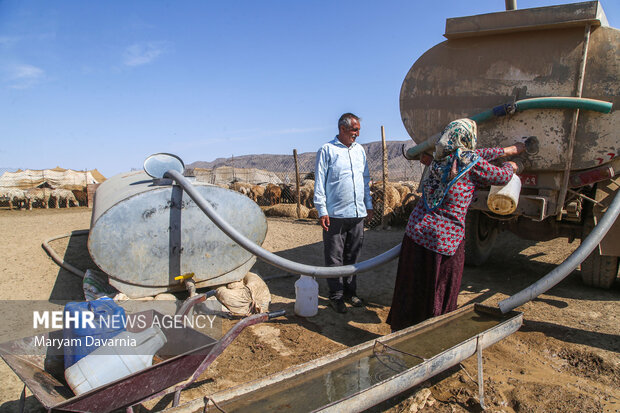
x=232 y=165
x=385 y=177
x=297 y=183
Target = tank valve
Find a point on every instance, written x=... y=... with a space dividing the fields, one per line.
x=531 y=145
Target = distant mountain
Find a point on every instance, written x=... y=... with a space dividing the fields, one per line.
x=399 y=168
x=6 y=169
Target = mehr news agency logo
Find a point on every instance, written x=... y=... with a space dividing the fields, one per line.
x=85 y=320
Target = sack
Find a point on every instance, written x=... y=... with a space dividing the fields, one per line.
x=259 y=291
x=248 y=296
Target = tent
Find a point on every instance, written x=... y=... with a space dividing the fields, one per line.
x=54 y=178
x=228 y=174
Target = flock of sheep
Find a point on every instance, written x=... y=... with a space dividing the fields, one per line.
x=275 y=200
x=281 y=200
x=272 y=194
x=41 y=197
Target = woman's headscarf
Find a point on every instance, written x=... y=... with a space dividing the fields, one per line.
x=454 y=155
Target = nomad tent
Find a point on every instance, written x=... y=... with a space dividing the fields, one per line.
x=54 y=178
x=227 y=174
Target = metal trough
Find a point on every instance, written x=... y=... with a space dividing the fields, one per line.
x=355 y=379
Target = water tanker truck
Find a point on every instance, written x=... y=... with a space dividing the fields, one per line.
x=548 y=77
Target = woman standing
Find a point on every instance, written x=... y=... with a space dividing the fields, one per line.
x=432 y=256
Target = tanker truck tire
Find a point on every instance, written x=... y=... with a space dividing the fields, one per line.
x=480 y=236
x=598 y=270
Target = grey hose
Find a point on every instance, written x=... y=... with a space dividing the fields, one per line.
x=563 y=270
x=271 y=258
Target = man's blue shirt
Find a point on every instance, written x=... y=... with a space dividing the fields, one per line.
x=341 y=187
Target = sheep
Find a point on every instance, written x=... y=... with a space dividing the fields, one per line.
x=287 y=210
x=81 y=195
x=392 y=202
x=38 y=194
x=256 y=193
x=242 y=187
x=65 y=195
x=401 y=213
x=306 y=193
x=286 y=194
x=15 y=196
x=273 y=193
x=413 y=186
x=393 y=197
x=402 y=190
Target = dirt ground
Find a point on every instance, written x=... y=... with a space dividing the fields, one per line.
x=565 y=357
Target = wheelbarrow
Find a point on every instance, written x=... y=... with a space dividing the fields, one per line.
x=43 y=373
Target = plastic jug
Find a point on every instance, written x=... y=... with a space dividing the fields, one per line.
x=306 y=296
x=108 y=320
x=132 y=352
x=503 y=200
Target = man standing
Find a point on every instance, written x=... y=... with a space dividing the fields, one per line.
x=342 y=199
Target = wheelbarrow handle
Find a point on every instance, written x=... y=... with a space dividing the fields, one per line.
x=210 y=293
x=274 y=314
x=192 y=301
x=228 y=338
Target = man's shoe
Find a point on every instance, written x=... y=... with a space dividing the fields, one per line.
x=355 y=301
x=338 y=305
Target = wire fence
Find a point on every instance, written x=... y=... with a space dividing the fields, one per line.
x=3 y=170
x=284 y=184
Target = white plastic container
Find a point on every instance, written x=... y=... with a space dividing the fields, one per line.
x=306 y=296
x=503 y=200
x=109 y=363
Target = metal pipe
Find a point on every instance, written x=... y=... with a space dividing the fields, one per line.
x=573 y=130
x=563 y=270
x=480 y=374
x=511 y=4
x=271 y=258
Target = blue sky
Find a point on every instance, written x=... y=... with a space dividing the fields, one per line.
x=103 y=84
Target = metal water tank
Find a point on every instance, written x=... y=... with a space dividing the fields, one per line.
x=144 y=232
x=498 y=58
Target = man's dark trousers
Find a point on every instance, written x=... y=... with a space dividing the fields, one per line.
x=342 y=245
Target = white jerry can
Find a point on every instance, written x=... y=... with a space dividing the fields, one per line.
x=503 y=200
x=110 y=363
x=306 y=296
